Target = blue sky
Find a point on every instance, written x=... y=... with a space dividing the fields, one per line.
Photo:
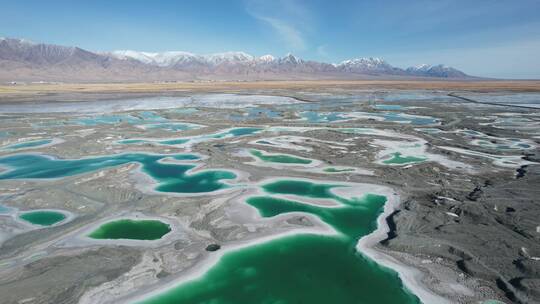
x=482 y=37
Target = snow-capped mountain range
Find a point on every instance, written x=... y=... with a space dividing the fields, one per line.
x=24 y=60
x=356 y=65
x=173 y=58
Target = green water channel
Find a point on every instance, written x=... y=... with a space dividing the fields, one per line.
x=132 y=141
x=131 y=230
x=28 y=144
x=398 y=159
x=234 y=132
x=106 y=119
x=170 y=177
x=300 y=268
x=336 y=170
x=173 y=126
x=43 y=217
x=179 y=141
x=279 y=158
x=304 y=188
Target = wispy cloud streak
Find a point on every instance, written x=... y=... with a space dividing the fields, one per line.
x=291 y=35
x=288 y=19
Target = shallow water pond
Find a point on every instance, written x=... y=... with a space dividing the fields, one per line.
x=169 y=177
x=279 y=158
x=337 y=170
x=151 y=116
x=317 y=117
x=131 y=229
x=43 y=217
x=106 y=119
x=172 y=126
x=398 y=159
x=234 y=132
x=4 y=209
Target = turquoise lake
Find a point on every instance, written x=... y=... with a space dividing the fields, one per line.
x=170 y=177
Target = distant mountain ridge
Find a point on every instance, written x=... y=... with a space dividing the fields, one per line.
x=21 y=60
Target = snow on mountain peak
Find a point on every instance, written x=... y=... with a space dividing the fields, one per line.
x=267 y=58
x=159 y=59
x=175 y=58
x=227 y=63
x=421 y=67
x=367 y=65
x=17 y=41
x=228 y=57
x=439 y=70
x=427 y=67
x=363 y=62
x=178 y=57
x=290 y=59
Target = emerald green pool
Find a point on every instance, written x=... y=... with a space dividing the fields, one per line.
x=43 y=217
x=302 y=188
x=301 y=268
x=351 y=220
x=170 y=177
x=131 y=229
x=400 y=160
x=336 y=170
x=279 y=158
x=296 y=269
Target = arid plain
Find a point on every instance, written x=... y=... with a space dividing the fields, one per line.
x=457 y=163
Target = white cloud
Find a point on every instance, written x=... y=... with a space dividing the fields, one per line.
x=288 y=19
x=291 y=35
